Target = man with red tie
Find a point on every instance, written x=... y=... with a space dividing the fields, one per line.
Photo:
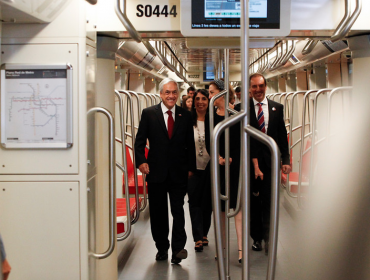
x=171 y=161
x=267 y=116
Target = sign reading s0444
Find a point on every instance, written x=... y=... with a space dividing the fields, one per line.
x=149 y=10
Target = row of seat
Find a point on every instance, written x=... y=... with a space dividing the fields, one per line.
x=136 y=182
x=316 y=126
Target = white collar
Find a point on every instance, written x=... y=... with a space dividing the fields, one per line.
x=165 y=109
x=264 y=101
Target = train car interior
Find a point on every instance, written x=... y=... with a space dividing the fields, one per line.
x=75 y=78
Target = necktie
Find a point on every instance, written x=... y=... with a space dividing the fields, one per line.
x=261 y=118
x=170 y=123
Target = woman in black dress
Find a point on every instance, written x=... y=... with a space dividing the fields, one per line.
x=215 y=87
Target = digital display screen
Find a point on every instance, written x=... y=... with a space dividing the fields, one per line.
x=225 y=14
x=209 y=76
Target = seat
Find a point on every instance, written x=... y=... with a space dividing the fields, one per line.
x=121 y=219
x=294 y=176
x=130 y=174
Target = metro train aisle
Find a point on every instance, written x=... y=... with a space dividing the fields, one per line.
x=139 y=263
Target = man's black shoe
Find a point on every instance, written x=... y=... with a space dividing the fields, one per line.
x=257 y=246
x=161 y=256
x=178 y=256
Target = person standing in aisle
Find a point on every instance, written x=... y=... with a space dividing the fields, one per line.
x=237 y=95
x=171 y=161
x=199 y=188
x=267 y=116
x=216 y=87
x=191 y=91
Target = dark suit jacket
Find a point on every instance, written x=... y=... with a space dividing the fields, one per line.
x=167 y=157
x=276 y=129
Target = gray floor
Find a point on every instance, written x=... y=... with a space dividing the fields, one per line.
x=138 y=261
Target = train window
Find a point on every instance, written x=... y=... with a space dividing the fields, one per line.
x=222 y=18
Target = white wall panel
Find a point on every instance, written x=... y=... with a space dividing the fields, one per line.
x=48 y=161
x=39 y=223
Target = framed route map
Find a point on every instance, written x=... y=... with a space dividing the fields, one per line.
x=36 y=106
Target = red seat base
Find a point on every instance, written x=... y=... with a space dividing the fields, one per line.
x=121 y=211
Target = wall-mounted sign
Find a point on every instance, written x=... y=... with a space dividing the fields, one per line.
x=36 y=106
x=193 y=76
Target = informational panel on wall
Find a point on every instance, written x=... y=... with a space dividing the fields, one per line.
x=36 y=106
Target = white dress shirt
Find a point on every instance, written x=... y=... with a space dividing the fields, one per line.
x=199 y=132
x=165 y=115
x=265 y=109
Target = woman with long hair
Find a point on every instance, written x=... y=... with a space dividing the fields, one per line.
x=215 y=87
x=187 y=103
x=199 y=190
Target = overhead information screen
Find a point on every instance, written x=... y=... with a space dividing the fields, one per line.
x=222 y=17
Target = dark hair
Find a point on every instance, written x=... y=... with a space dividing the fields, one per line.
x=184 y=99
x=190 y=89
x=193 y=111
x=231 y=90
x=256 y=75
x=238 y=89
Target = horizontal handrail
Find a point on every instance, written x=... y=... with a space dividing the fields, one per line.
x=347 y=22
x=289 y=54
x=308 y=48
x=167 y=63
x=232 y=111
x=129 y=27
x=295 y=144
x=278 y=58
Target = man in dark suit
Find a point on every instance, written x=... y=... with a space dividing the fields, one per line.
x=267 y=116
x=171 y=161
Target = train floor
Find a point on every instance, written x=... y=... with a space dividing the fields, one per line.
x=139 y=263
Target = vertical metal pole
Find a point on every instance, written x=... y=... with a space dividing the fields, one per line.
x=227 y=165
x=244 y=48
x=112 y=184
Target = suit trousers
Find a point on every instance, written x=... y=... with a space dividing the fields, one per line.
x=200 y=203
x=158 y=211
x=261 y=205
